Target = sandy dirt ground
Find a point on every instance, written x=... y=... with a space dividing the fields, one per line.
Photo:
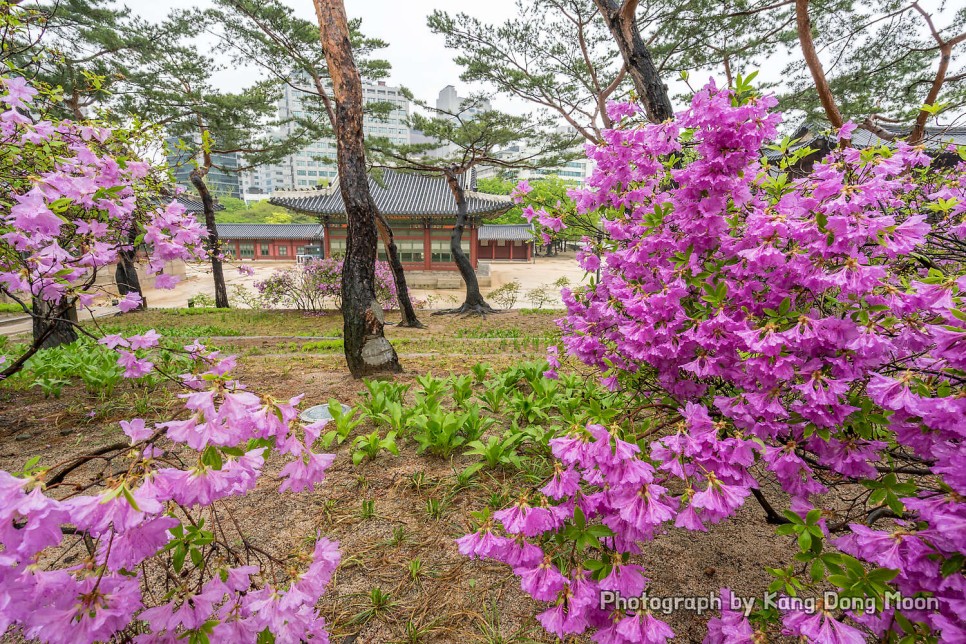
x=544 y=271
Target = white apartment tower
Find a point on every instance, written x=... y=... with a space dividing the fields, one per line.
x=449 y=101
x=316 y=164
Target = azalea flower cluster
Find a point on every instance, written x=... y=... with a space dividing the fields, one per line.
x=599 y=477
x=140 y=523
x=809 y=326
x=311 y=285
x=73 y=200
x=163 y=561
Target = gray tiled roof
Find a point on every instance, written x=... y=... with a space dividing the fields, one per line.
x=194 y=205
x=507 y=232
x=269 y=231
x=191 y=205
x=402 y=194
x=936 y=138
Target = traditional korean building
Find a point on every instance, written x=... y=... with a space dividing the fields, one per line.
x=271 y=241
x=506 y=242
x=421 y=210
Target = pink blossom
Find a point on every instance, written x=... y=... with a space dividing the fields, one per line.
x=130 y=302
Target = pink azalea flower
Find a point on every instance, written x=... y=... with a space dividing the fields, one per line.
x=136 y=430
x=543 y=582
x=129 y=302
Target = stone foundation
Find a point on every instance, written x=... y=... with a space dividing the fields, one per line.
x=442 y=280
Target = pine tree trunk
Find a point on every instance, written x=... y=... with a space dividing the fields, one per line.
x=621 y=21
x=814 y=64
x=367 y=351
x=197 y=177
x=126 y=274
x=474 y=303
x=52 y=324
x=406 y=309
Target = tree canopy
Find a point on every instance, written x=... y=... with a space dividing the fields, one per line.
x=882 y=58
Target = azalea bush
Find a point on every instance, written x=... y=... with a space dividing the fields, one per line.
x=74 y=196
x=317 y=283
x=160 y=555
x=806 y=334
x=137 y=540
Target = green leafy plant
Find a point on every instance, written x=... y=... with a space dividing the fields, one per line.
x=416 y=570
x=344 y=421
x=464 y=478
x=528 y=409
x=417 y=480
x=493 y=398
x=497 y=451
x=438 y=433
x=399 y=536
x=369 y=446
x=507 y=294
x=435 y=508
x=462 y=390
x=480 y=371
x=51 y=386
x=474 y=423
x=431 y=391
x=397 y=415
x=379 y=603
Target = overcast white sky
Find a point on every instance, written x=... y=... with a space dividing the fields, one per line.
x=420 y=61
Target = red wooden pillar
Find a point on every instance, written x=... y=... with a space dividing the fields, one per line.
x=427 y=246
x=492 y=249
x=326 y=240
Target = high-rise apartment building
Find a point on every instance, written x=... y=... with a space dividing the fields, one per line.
x=223 y=178
x=576 y=170
x=315 y=164
x=451 y=102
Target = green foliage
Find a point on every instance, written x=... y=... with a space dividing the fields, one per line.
x=540 y=296
x=236 y=211
x=480 y=371
x=438 y=432
x=463 y=479
x=187 y=543
x=93 y=364
x=497 y=451
x=417 y=480
x=549 y=193
x=507 y=294
x=369 y=446
x=344 y=421
x=462 y=389
x=493 y=398
x=435 y=508
x=379 y=603
x=51 y=386
x=416 y=570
